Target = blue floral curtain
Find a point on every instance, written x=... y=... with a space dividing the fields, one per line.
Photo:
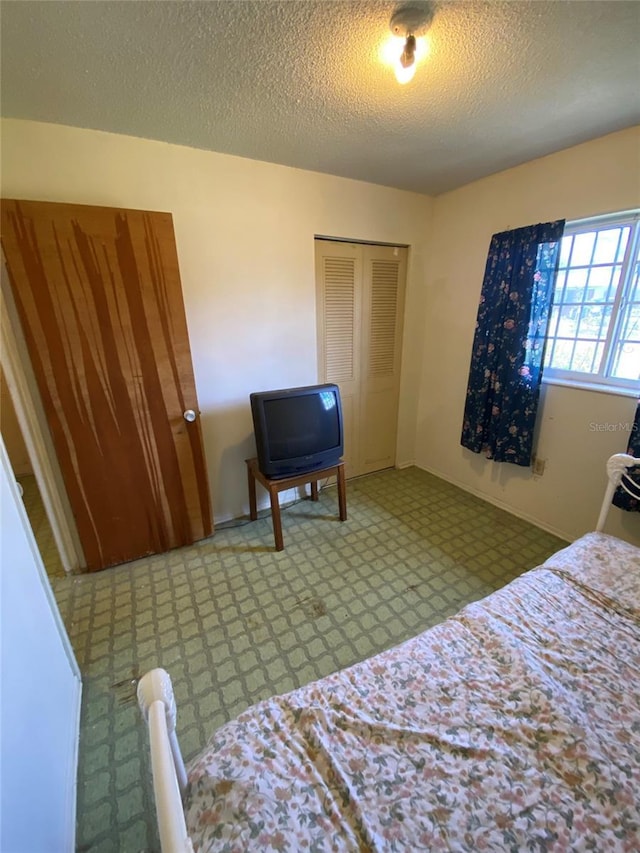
x=621 y=498
x=508 y=346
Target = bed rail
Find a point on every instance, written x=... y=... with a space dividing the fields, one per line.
x=617 y=466
x=158 y=706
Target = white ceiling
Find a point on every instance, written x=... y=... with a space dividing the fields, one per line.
x=300 y=82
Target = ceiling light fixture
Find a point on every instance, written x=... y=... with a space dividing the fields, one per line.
x=408 y=25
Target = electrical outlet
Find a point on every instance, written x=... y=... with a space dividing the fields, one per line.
x=537 y=466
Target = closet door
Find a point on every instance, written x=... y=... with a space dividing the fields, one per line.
x=339 y=300
x=100 y=301
x=384 y=276
x=360 y=310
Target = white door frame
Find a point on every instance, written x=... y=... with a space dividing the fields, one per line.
x=30 y=414
x=359 y=388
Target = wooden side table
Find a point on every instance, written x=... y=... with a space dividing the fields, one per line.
x=276 y=486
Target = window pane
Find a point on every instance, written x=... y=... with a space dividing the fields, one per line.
x=568 y=317
x=559 y=285
x=596 y=312
x=565 y=250
x=623 y=244
x=576 y=281
x=583 y=249
x=609 y=245
x=634 y=293
x=600 y=279
x=548 y=354
x=631 y=329
x=594 y=321
x=626 y=363
x=584 y=356
x=562 y=355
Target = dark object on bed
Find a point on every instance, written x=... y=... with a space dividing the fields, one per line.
x=627 y=496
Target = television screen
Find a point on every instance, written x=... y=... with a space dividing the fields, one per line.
x=297 y=429
x=298 y=426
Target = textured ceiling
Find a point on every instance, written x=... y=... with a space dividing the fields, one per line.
x=302 y=83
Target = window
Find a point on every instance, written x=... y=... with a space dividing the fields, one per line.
x=594 y=327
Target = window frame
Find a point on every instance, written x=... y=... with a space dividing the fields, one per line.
x=603 y=381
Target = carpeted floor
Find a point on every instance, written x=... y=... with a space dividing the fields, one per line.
x=233 y=621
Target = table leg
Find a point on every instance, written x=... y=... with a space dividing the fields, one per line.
x=275 y=515
x=342 y=494
x=253 y=510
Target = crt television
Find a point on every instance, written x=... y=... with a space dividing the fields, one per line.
x=297 y=429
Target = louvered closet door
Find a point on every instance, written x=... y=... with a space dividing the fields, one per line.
x=384 y=271
x=360 y=309
x=339 y=287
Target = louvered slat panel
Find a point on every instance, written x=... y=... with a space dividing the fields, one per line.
x=384 y=299
x=339 y=307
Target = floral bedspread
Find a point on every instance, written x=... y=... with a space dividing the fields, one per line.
x=514 y=725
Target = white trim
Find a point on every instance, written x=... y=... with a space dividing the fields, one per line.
x=603 y=376
x=576 y=226
x=72 y=773
x=360 y=242
x=401 y=465
x=561 y=534
x=42 y=572
x=64 y=532
x=585 y=385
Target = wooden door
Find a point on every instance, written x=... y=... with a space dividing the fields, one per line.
x=360 y=308
x=99 y=296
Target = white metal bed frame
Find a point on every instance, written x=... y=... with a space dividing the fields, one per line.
x=158 y=706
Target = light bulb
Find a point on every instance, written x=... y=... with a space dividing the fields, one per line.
x=399 y=53
x=408 y=25
x=408 y=55
x=404 y=73
x=392 y=50
x=406 y=65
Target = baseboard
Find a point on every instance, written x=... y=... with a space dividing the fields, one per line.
x=561 y=534
x=286 y=498
x=410 y=464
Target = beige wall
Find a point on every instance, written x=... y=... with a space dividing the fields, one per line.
x=244 y=232
x=590 y=179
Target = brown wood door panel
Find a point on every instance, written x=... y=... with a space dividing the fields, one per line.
x=99 y=296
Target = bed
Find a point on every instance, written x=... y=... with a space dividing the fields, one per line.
x=514 y=725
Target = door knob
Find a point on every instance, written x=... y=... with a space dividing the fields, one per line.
x=190 y=416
